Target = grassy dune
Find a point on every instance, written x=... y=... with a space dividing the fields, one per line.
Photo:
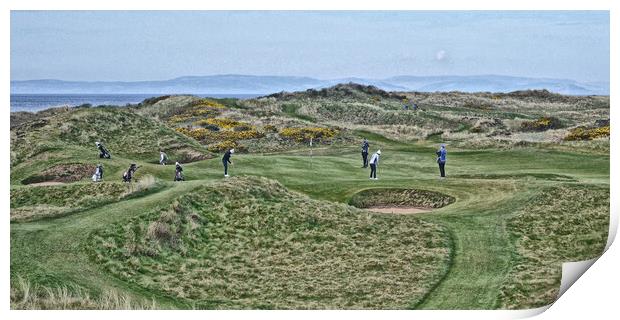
x=249 y=243
x=31 y=203
x=552 y=228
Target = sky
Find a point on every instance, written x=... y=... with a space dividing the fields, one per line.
x=159 y=45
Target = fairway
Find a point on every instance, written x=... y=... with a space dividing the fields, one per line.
x=491 y=187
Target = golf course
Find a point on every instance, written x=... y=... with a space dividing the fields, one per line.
x=299 y=224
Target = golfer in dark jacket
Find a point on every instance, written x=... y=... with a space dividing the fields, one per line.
x=441 y=160
x=226 y=160
x=365 y=153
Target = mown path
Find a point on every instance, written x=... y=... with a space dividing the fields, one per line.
x=56 y=250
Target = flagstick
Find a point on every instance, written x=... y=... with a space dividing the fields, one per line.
x=310 y=153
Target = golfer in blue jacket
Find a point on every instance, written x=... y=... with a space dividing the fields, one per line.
x=441 y=160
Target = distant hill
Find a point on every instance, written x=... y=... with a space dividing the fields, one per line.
x=246 y=84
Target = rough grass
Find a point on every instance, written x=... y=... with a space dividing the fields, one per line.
x=249 y=243
x=31 y=203
x=552 y=229
x=28 y=296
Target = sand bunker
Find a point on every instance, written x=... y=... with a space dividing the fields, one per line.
x=399 y=210
x=70 y=172
x=400 y=200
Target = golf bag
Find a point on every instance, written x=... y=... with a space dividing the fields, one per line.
x=98 y=176
x=103 y=152
x=178 y=175
x=128 y=175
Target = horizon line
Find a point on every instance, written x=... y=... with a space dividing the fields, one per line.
x=311 y=77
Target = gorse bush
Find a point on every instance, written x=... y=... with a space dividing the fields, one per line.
x=177 y=118
x=305 y=134
x=583 y=133
x=204 y=123
x=243 y=127
x=208 y=136
x=209 y=104
x=227 y=145
x=224 y=122
x=198 y=109
x=541 y=124
x=270 y=128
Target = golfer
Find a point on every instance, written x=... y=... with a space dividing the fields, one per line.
x=365 y=153
x=226 y=161
x=163 y=157
x=374 y=162
x=441 y=160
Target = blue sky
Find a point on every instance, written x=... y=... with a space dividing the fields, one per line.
x=157 y=45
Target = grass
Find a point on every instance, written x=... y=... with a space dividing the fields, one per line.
x=31 y=203
x=289 y=240
x=249 y=243
x=28 y=296
x=551 y=229
x=482 y=244
x=291 y=110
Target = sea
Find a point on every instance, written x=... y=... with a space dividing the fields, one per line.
x=38 y=102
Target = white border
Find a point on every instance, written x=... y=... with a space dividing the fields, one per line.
x=595 y=294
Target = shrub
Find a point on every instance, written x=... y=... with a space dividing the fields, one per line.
x=270 y=128
x=226 y=145
x=224 y=122
x=208 y=103
x=583 y=133
x=203 y=134
x=541 y=124
x=243 y=127
x=202 y=108
x=304 y=134
x=200 y=123
x=205 y=124
x=159 y=231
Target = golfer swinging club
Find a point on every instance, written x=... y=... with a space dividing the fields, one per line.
x=374 y=162
x=226 y=161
